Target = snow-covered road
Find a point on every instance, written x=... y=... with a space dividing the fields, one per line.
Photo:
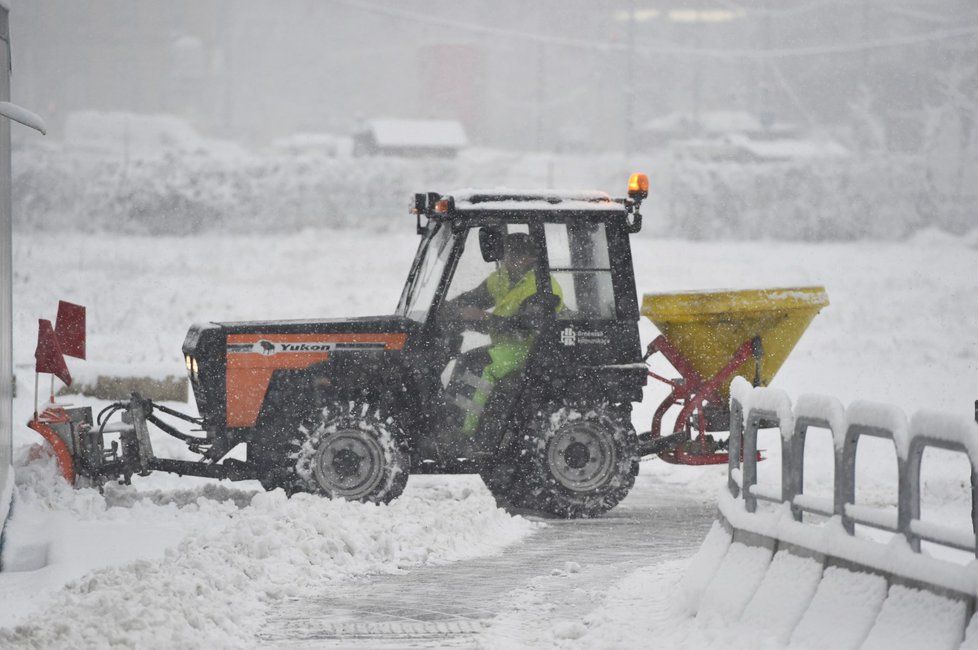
x=531 y=594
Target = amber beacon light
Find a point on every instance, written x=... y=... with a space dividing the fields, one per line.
x=638 y=186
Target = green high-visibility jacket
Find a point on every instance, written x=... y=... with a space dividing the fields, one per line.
x=509 y=297
x=509 y=347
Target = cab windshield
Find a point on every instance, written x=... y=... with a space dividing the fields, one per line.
x=420 y=290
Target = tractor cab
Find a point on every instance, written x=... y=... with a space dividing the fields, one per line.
x=520 y=299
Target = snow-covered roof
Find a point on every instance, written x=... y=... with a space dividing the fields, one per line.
x=670 y=122
x=516 y=199
x=417 y=133
x=740 y=146
x=542 y=205
x=712 y=122
x=467 y=194
x=311 y=143
x=136 y=130
x=788 y=148
x=141 y=135
x=729 y=121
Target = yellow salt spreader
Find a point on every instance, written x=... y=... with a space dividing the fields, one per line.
x=710 y=337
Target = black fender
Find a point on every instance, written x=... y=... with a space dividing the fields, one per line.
x=545 y=383
x=347 y=376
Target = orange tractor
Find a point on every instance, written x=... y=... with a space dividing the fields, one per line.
x=514 y=353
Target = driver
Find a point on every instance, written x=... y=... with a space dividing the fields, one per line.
x=512 y=323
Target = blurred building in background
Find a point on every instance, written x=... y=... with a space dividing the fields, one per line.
x=409 y=138
x=555 y=75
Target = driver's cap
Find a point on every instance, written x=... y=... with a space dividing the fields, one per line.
x=519 y=244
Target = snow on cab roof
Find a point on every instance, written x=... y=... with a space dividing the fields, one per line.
x=515 y=199
x=417 y=133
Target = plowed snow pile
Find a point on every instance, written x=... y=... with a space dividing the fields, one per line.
x=243 y=551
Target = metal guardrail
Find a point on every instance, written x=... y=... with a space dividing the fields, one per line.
x=769 y=408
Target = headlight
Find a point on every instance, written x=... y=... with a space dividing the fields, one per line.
x=192 y=367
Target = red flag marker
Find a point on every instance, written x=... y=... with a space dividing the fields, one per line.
x=70 y=329
x=47 y=355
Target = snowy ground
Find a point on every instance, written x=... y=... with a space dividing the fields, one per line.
x=902 y=328
x=534 y=594
x=200 y=567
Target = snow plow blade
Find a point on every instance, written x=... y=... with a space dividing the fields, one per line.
x=92 y=451
x=708 y=327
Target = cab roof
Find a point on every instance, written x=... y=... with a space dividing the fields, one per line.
x=549 y=200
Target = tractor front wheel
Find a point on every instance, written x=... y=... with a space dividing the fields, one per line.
x=579 y=460
x=350 y=451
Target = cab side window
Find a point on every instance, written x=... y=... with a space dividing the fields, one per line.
x=578 y=256
x=472 y=270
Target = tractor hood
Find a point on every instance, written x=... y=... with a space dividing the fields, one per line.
x=366 y=324
x=232 y=365
x=269 y=338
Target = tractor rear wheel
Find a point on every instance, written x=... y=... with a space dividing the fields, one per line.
x=351 y=451
x=580 y=460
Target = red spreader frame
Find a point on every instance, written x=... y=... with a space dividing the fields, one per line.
x=691 y=392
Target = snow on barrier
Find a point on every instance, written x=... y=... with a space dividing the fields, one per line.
x=818 y=584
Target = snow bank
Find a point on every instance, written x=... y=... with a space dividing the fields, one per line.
x=783 y=595
x=842 y=611
x=865 y=197
x=971 y=239
x=934 y=238
x=88 y=372
x=703 y=567
x=139 y=136
x=734 y=583
x=912 y=618
x=59 y=534
x=212 y=588
x=641 y=611
x=144 y=173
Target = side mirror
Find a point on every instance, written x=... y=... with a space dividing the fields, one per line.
x=491 y=243
x=420 y=203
